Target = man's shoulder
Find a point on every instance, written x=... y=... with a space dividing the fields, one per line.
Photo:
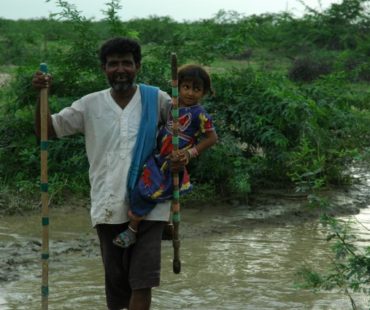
x=162 y=95
x=95 y=95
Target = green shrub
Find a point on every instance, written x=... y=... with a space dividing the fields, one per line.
x=308 y=68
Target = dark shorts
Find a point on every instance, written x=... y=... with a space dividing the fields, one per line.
x=137 y=267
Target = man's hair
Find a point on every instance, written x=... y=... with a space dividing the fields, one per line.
x=195 y=73
x=120 y=45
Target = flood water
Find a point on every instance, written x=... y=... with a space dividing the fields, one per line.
x=228 y=262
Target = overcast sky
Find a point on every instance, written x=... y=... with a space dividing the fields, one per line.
x=178 y=9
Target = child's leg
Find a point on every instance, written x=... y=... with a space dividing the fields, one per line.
x=134 y=221
x=128 y=237
x=140 y=207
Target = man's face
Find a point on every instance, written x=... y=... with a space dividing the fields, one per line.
x=121 y=71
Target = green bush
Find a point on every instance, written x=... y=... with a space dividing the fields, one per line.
x=309 y=68
x=265 y=111
x=225 y=168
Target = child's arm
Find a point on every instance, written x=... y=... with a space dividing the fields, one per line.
x=182 y=157
x=208 y=140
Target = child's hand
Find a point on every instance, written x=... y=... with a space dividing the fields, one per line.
x=179 y=159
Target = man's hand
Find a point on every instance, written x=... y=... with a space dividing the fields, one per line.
x=41 y=80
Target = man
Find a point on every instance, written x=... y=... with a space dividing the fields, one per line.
x=115 y=122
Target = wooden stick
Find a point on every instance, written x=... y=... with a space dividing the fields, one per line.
x=44 y=192
x=175 y=175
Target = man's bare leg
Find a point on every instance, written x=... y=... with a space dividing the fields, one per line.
x=141 y=299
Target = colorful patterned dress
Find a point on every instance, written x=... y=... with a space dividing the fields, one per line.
x=155 y=184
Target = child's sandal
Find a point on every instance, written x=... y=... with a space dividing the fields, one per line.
x=125 y=239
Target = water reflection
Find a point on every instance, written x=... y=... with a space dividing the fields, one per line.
x=228 y=262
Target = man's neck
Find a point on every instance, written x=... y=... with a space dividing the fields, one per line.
x=122 y=98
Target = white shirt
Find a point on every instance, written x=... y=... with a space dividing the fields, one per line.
x=110 y=136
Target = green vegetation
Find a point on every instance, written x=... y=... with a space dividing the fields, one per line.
x=291 y=104
x=349 y=270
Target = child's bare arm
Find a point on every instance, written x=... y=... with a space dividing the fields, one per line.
x=209 y=139
x=181 y=157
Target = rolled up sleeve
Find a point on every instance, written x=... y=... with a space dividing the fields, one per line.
x=69 y=121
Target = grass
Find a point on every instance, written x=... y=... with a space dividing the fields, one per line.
x=9 y=69
x=224 y=65
x=261 y=59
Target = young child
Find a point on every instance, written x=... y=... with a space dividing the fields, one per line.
x=196 y=134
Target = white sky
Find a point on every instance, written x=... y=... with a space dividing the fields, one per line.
x=178 y=9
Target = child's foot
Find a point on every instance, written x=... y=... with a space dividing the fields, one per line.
x=126 y=238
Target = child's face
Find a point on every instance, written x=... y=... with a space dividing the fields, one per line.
x=190 y=93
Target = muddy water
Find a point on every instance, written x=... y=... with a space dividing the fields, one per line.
x=230 y=260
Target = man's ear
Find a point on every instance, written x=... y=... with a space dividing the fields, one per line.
x=102 y=66
x=138 y=66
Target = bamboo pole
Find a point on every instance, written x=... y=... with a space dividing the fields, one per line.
x=44 y=192
x=176 y=190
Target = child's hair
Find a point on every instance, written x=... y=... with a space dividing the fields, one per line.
x=195 y=73
x=120 y=45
